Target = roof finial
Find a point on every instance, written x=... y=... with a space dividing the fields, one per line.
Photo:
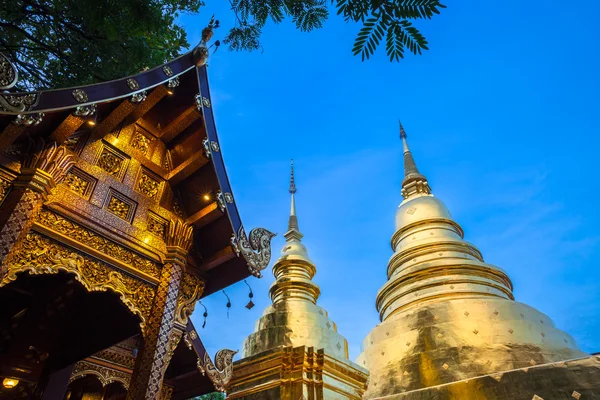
x=414 y=181
x=292 y=182
x=293 y=231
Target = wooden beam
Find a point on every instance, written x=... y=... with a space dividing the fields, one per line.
x=67 y=128
x=217 y=259
x=205 y=216
x=188 y=167
x=154 y=97
x=112 y=120
x=182 y=121
x=10 y=134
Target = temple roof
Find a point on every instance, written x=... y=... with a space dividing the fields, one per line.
x=170 y=104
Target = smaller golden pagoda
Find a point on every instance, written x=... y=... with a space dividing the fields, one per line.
x=295 y=350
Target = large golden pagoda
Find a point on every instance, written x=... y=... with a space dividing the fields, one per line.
x=451 y=328
x=295 y=349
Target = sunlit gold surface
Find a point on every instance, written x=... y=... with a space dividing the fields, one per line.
x=446 y=314
x=290 y=326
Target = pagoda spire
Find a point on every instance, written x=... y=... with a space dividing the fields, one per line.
x=414 y=182
x=293 y=232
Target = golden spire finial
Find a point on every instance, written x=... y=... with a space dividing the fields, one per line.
x=414 y=182
x=293 y=231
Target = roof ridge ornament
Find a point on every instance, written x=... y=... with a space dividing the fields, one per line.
x=256 y=251
x=200 y=53
x=9 y=75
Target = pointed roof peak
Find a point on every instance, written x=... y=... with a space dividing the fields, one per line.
x=414 y=182
x=293 y=231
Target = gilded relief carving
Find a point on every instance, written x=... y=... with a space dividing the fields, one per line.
x=4 y=189
x=190 y=291
x=221 y=372
x=53 y=159
x=156 y=225
x=116 y=357
x=140 y=142
x=105 y=375
x=118 y=207
x=40 y=255
x=110 y=162
x=148 y=185
x=76 y=183
x=77 y=232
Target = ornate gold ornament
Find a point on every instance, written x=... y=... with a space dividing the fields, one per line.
x=256 y=251
x=179 y=235
x=53 y=159
x=119 y=208
x=116 y=357
x=80 y=95
x=105 y=375
x=148 y=186
x=132 y=84
x=40 y=255
x=76 y=232
x=168 y=71
x=140 y=141
x=156 y=225
x=202 y=102
x=4 y=188
x=28 y=119
x=139 y=97
x=76 y=183
x=174 y=339
x=221 y=372
x=110 y=162
x=173 y=83
x=85 y=111
x=190 y=291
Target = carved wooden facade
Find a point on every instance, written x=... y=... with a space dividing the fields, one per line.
x=116 y=189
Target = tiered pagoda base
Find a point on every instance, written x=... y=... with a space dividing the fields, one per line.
x=296 y=373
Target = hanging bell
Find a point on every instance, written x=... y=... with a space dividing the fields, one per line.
x=250 y=295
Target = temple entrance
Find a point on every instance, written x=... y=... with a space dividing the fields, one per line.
x=48 y=323
x=90 y=387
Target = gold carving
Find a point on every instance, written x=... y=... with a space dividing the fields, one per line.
x=174 y=339
x=221 y=371
x=119 y=208
x=116 y=357
x=179 y=235
x=40 y=255
x=156 y=225
x=110 y=162
x=53 y=159
x=166 y=392
x=77 y=232
x=76 y=183
x=105 y=375
x=148 y=185
x=140 y=142
x=190 y=291
x=4 y=189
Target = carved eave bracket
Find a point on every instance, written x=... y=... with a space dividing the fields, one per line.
x=256 y=251
x=221 y=371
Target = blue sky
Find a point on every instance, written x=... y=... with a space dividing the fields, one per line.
x=502 y=115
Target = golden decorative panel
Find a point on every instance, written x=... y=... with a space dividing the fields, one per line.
x=79 y=182
x=76 y=232
x=120 y=205
x=140 y=140
x=112 y=161
x=105 y=375
x=190 y=291
x=4 y=189
x=40 y=255
x=148 y=184
x=157 y=225
x=116 y=357
x=76 y=142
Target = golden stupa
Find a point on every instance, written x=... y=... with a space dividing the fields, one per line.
x=295 y=350
x=451 y=328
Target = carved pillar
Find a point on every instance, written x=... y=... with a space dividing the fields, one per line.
x=160 y=337
x=44 y=165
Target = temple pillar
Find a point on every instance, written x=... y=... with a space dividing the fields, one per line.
x=160 y=334
x=44 y=166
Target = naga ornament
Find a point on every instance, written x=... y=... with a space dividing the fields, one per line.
x=257 y=250
x=221 y=372
x=200 y=53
